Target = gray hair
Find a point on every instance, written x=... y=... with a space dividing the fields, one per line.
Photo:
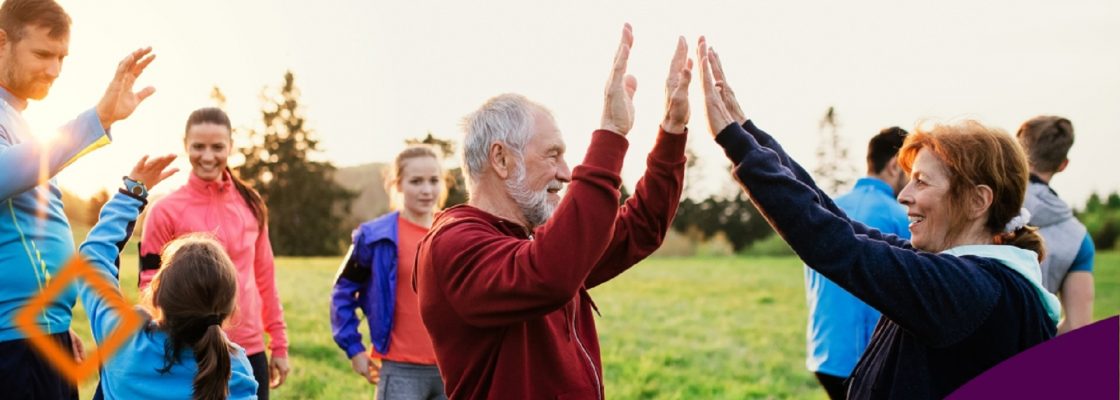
x=506 y=118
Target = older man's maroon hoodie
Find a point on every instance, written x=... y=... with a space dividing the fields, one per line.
x=508 y=311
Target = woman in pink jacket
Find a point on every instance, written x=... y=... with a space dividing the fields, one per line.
x=216 y=202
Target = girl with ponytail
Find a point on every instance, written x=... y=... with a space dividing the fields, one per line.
x=217 y=202
x=181 y=351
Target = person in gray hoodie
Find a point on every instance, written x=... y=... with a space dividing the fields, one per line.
x=1067 y=269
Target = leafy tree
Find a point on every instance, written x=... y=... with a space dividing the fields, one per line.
x=306 y=206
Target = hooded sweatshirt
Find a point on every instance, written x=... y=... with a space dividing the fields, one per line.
x=1063 y=233
x=507 y=308
x=947 y=317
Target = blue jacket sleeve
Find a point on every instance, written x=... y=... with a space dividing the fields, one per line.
x=102 y=250
x=1084 y=260
x=21 y=161
x=941 y=299
x=345 y=300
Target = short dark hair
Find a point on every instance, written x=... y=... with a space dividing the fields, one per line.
x=883 y=147
x=1047 y=140
x=16 y=15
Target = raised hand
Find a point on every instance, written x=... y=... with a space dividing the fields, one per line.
x=729 y=102
x=152 y=171
x=718 y=116
x=676 y=90
x=618 y=102
x=119 y=100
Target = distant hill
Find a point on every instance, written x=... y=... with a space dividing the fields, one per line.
x=368 y=181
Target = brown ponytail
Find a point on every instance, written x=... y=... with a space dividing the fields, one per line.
x=252 y=198
x=192 y=294
x=213 y=115
x=1027 y=238
x=212 y=354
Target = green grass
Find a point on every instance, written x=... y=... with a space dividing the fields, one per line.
x=689 y=328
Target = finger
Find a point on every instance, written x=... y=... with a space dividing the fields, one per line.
x=631 y=86
x=140 y=164
x=143 y=94
x=717 y=66
x=686 y=76
x=680 y=56
x=622 y=55
x=705 y=73
x=167 y=174
x=143 y=64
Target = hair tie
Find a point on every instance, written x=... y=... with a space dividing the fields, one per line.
x=213 y=319
x=1018 y=222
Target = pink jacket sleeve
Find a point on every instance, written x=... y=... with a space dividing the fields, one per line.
x=272 y=314
x=159 y=228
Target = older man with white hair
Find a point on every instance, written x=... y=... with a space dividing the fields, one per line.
x=503 y=279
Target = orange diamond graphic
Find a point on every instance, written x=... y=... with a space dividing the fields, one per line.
x=63 y=359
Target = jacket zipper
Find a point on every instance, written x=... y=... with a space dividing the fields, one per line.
x=594 y=371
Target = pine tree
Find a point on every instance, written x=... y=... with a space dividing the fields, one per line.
x=306 y=207
x=833 y=172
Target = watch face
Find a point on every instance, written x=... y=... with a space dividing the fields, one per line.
x=137 y=190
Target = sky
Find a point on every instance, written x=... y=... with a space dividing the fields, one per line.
x=373 y=73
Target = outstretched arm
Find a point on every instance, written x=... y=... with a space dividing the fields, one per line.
x=645 y=218
x=107 y=238
x=939 y=298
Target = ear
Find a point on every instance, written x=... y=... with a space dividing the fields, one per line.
x=981 y=200
x=1063 y=165
x=4 y=39
x=500 y=160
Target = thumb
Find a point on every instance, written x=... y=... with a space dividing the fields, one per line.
x=631 y=85
x=143 y=94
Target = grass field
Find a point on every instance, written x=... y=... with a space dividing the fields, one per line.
x=690 y=328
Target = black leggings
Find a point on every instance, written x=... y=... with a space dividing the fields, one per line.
x=834 y=385
x=259 y=361
x=25 y=375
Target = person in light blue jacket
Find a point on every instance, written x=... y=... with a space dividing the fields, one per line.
x=180 y=352
x=840 y=325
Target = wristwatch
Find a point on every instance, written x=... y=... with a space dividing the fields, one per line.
x=135 y=187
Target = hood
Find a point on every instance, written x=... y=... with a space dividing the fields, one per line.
x=1025 y=262
x=1045 y=206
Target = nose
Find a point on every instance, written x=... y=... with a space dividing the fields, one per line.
x=906 y=195
x=563 y=173
x=54 y=69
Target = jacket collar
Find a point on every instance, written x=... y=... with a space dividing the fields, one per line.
x=210 y=187
x=16 y=102
x=381 y=228
x=876 y=184
x=1023 y=261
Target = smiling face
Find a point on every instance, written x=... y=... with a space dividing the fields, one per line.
x=208 y=146
x=541 y=172
x=31 y=64
x=420 y=182
x=927 y=198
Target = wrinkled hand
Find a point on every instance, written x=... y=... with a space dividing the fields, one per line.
x=369 y=369
x=718 y=116
x=676 y=90
x=726 y=94
x=152 y=171
x=618 y=102
x=278 y=371
x=119 y=100
x=77 y=347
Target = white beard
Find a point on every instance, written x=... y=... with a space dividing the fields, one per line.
x=534 y=205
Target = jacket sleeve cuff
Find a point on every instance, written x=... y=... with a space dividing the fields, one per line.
x=607 y=151
x=351 y=350
x=669 y=147
x=735 y=142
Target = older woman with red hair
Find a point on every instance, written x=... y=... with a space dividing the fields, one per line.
x=963 y=295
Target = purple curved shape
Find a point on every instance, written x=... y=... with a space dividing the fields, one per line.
x=1081 y=364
